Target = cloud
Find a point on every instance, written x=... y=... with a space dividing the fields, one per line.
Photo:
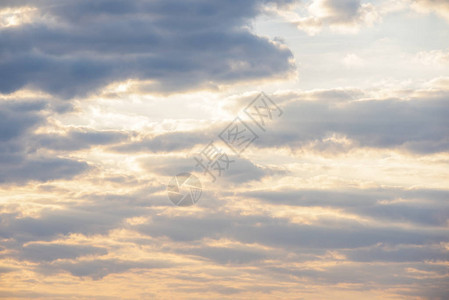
x=91 y=216
x=367 y=277
x=79 y=46
x=353 y=61
x=49 y=252
x=17 y=118
x=54 y=223
x=399 y=254
x=439 y=7
x=264 y=230
x=41 y=169
x=77 y=139
x=5 y=269
x=346 y=250
x=227 y=255
x=339 y=15
x=239 y=169
x=19 y=160
x=97 y=269
x=166 y=142
x=419 y=207
x=416 y=124
x=336 y=121
x=433 y=58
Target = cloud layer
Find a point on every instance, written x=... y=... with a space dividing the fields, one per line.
x=342 y=196
x=171 y=45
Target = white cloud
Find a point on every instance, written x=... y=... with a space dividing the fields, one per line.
x=439 y=7
x=346 y=16
x=353 y=61
x=434 y=58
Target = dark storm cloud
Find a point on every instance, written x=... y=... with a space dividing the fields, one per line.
x=179 y=44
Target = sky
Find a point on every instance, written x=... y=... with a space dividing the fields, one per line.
x=340 y=188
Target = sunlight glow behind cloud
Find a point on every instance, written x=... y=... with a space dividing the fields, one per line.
x=103 y=102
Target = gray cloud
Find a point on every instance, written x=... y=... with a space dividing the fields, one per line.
x=6 y=270
x=401 y=244
x=166 y=142
x=89 y=215
x=17 y=118
x=318 y=120
x=348 y=14
x=399 y=254
x=240 y=170
x=280 y=232
x=52 y=224
x=97 y=269
x=100 y=214
x=19 y=160
x=418 y=125
x=50 y=252
x=180 y=45
x=422 y=207
x=227 y=255
x=41 y=169
x=260 y=239
x=368 y=276
x=77 y=139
